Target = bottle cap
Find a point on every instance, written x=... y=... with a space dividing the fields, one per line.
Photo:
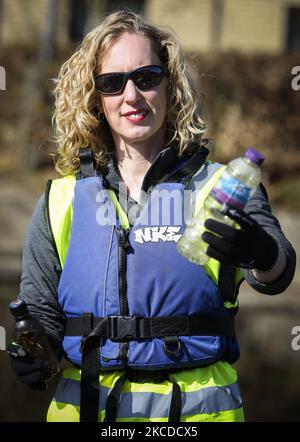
x=254 y=155
x=18 y=308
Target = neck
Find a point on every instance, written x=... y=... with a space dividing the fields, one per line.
x=133 y=166
x=132 y=154
x=134 y=160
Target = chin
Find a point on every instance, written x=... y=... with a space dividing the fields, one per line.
x=138 y=137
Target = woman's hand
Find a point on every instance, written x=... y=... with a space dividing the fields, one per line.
x=248 y=247
x=29 y=370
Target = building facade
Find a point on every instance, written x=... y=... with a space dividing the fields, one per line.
x=268 y=26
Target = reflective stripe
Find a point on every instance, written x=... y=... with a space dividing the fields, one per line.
x=68 y=413
x=204 y=401
x=68 y=392
x=224 y=416
x=61 y=412
x=215 y=391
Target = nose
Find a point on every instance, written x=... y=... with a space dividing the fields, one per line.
x=131 y=92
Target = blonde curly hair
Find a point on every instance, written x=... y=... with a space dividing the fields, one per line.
x=75 y=120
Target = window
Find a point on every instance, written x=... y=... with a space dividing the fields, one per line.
x=77 y=19
x=134 y=5
x=293 y=31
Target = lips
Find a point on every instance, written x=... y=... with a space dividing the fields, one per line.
x=136 y=115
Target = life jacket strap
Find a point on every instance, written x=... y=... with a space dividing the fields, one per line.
x=89 y=384
x=186 y=170
x=90 y=390
x=175 y=407
x=87 y=162
x=129 y=328
x=113 y=399
x=126 y=328
x=93 y=329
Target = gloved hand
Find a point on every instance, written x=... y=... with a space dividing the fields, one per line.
x=29 y=370
x=248 y=247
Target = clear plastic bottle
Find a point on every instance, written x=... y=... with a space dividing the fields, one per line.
x=238 y=182
x=30 y=339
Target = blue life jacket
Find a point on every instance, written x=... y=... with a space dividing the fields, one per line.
x=142 y=277
x=131 y=300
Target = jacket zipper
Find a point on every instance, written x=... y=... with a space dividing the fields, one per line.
x=123 y=246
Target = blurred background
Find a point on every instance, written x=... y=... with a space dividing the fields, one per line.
x=244 y=55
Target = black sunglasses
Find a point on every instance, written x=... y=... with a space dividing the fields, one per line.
x=144 y=78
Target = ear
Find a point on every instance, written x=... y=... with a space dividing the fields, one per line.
x=97 y=109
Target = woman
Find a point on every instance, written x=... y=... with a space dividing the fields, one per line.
x=101 y=270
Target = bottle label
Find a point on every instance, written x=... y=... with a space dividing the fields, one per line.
x=231 y=191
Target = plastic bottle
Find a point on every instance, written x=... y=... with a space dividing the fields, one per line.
x=238 y=182
x=30 y=339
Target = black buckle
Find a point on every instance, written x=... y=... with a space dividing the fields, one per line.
x=123 y=327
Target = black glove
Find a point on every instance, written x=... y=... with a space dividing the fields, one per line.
x=32 y=370
x=248 y=247
x=29 y=370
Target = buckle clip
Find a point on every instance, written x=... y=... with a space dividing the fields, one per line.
x=123 y=328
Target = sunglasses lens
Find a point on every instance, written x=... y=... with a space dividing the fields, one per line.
x=144 y=78
x=110 y=83
x=147 y=78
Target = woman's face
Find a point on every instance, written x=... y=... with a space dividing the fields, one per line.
x=130 y=52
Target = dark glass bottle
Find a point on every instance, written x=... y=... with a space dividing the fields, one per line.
x=30 y=339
